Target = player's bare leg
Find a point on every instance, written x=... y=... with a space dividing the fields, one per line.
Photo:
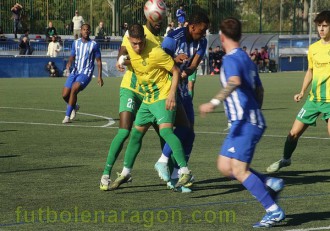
x=298 y=128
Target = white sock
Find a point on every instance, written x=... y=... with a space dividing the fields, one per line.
x=184 y=170
x=163 y=159
x=272 y=208
x=175 y=173
x=125 y=171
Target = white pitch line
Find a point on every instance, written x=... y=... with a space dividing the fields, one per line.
x=109 y=119
x=59 y=125
x=111 y=122
x=310 y=229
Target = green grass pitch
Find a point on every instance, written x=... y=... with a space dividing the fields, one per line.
x=49 y=172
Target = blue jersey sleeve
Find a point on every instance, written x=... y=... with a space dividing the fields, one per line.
x=230 y=67
x=169 y=45
x=97 y=51
x=73 y=49
x=202 y=49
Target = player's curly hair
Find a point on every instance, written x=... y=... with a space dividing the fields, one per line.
x=198 y=17
x=86 y=24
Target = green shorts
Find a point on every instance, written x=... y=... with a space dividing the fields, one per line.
x=129 y=100
x=154 y=113
x=311 y=110
x=193 y=76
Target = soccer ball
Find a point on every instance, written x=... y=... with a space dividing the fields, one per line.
x=155 y=10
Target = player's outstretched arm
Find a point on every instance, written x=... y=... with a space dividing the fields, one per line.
x=307 y=81
x=233 y=83
x=69 y=63
x=196 y=59
x=99 y=70
x=122 y=59
x=171 y=99
x=180 y=58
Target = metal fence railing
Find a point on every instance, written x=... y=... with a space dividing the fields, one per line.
x=257 y=16
x=40 y=47
x=37 y=13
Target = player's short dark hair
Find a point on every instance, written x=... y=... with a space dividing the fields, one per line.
x=323 y=16
x=232 y=28
x=136 y=31
x=199 y=17
x=85 y=24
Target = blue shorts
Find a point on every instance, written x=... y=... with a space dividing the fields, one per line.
x=188 y=106
x=241 y=141
x=81 y=78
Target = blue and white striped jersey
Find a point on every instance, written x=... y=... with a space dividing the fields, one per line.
x=176 y=43
x=242 y=103
x=85 y=54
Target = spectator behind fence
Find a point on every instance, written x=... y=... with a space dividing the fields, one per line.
x=181 y=15
x=203 y=64
x=244 y=48
x=124 y=28
x=170 y=27
x=50 y=32
x=100 y=32
x=217 y=56
x=255 y=56
x=210 y=61
x=25 y=44
x=77 y=21
x=264 y=60
x=54 y=47
x=272 y=52
x=16 y=10
x=2 y=36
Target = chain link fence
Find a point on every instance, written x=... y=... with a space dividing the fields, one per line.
x=257 y=16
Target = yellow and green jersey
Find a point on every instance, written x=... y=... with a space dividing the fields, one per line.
x=155 y=39
x=129 y=79
x=151 y=68
x=319 y=62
